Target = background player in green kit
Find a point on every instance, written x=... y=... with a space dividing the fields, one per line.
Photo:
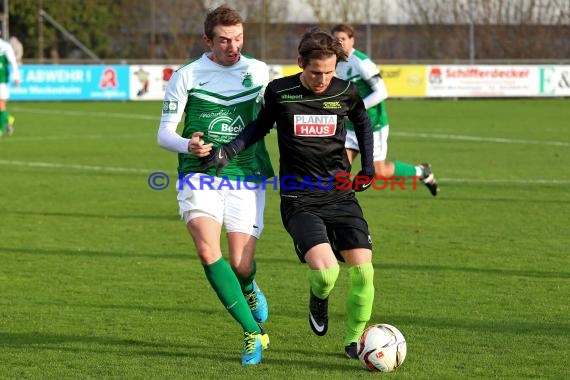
x=8 y=67
x=219 y=94
x=359 y=69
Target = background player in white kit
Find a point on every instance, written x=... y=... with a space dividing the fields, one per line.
x=8 y=68
x=359 y=69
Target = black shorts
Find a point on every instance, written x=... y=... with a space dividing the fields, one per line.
x=340 y=224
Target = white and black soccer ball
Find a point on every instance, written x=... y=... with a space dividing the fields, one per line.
x=382 y=347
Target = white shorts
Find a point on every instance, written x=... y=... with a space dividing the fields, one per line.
x=235 y=204
x=4 y=91
x=380 y=142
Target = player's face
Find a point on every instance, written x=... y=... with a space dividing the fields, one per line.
x=226 y=44
x=346 y=41
x=317 y=75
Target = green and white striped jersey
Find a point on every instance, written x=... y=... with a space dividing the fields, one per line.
x=358 y=68
x=8 y=62
x=219 y=101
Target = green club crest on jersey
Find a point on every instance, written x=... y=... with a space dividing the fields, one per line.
x=247 y=81
x=169 y=106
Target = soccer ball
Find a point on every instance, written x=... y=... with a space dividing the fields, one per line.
x=381 y=347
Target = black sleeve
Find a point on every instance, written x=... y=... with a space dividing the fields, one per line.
x=258 y=128
x=363 y=130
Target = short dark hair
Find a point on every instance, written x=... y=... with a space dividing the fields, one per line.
x=343 y=28
x=222 y=15
x=317 y=44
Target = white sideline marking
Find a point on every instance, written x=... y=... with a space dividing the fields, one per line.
x=478 y=138
x=440 y=136
x=52 y=165
x=13 y=139
x=508 y=181
x=96 y=114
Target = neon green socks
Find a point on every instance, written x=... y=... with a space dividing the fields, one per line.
x=227 y=287
x=322 y=281
x=360 y=295
x=360 y=299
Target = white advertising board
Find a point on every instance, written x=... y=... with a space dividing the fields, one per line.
x=482 y=80
x=554 y=81
x=148 y=82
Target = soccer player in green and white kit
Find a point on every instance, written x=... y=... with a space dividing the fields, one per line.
x=7 y=63
x=219 y=94
x=359 y=69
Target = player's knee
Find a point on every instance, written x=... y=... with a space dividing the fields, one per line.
x=362 y=274
x=322 y=281
x=329 y=281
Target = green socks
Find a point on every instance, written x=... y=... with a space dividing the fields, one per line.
x=227 y=287
x=3 y=120
x=360 y=299
x=401 y=169
x=322 y=281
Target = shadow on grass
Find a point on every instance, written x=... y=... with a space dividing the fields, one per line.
x=92 y=253
x=499 y=327
x=525 y=201
x=453 y=198
x=190 y=255
x=110 y=345
x=167 y=255
x=76 y=344
x=484 y=271
x=206 y=311
x=36 y=338
x=172 y=217
x=479 y=326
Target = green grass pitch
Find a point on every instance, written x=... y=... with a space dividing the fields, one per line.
x=99 y=278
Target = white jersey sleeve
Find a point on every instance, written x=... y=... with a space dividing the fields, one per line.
x=371 y=75
x=169 y=139
x=175 y=99
x=378 y=95
x=7 y=50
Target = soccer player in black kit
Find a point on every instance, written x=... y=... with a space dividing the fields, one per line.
x=318 y=205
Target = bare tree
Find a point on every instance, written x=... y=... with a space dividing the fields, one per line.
x=550 y=12
x=161 y=29
x=514 y=29
x=327 y=12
